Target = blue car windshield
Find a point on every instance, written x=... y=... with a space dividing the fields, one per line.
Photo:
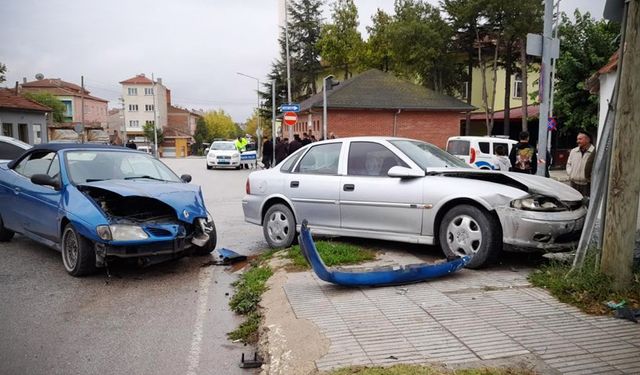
x=99 y=165
x=427 y=155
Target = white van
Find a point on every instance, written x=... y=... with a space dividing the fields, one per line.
x=478 y=151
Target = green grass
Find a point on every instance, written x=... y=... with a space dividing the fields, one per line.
x=248 y=292
x=332 y=253
x=587 y=289
x=427 y=370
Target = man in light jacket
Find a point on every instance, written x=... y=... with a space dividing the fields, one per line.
x=580 y=163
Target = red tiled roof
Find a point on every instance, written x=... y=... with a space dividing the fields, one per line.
x=514 y=113
x=54 y=82
x=139 y=79
x=611 y=66
x=173 y=109
x=60 y=91
x=9 y=100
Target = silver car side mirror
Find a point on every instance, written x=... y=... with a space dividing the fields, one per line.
x=404 y=172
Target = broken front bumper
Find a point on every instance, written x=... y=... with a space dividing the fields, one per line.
x=541 y=231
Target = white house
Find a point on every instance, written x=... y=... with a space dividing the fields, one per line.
x=145 y=101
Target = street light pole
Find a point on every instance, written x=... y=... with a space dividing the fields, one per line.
x=259 y=131
x=273 y=119
x=324 y=106
x=286 y=37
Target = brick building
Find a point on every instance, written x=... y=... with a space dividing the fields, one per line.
x=378 y=103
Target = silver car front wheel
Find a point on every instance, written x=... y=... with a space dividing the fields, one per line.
x=468 y=231
x=279 y=226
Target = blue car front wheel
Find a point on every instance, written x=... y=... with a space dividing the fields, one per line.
x=78 y=255
x=5 y=234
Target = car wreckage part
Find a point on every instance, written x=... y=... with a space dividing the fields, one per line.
x=5 y=234
x=376 y=276
x=279 y=226
x=467 y=231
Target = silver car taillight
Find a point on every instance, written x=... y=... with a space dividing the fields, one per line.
x=247 y=187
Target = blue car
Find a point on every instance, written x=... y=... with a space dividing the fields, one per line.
x=94 y=203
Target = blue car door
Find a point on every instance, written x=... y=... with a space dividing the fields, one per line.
x=38 y=206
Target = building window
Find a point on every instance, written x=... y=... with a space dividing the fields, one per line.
x=133 y=91
x=517 y=86
x=7 y=129
x=37 y=134
x=148 y=107
x=148 y=91
x=68 y=109
x=149 y=122
x=464 y=91
x=133 y=108
x=134 y=124
x=23 y=132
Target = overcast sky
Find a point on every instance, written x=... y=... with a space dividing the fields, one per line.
x=195 y=46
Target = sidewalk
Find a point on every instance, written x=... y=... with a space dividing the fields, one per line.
x=472 y=318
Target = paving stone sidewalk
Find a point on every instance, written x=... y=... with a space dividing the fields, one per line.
x=468 y=316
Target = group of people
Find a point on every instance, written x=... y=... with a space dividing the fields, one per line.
x=284 y=148
x=523 y=158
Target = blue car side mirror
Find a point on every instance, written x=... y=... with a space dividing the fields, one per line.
x=186 y=178
x=45 y=180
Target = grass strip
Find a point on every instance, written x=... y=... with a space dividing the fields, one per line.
x=333 y=253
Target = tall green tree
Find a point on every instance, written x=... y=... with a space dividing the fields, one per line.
x=340 y=43
x=148 y=129
x=220 y=124
x=586 y=46
x=3 y=71
x=202 y=134
x=304 y=32
x=379 y=46
x=49 y=100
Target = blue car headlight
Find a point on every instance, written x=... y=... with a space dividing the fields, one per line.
x=121 y=232
x=539 y=203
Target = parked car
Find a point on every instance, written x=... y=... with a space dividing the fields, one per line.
x=411 y=191
x=11 y=148
x=478 y=151
x=223 y=154
x=96 y=202
x=145 y=149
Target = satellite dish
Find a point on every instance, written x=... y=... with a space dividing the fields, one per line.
x=39 y=76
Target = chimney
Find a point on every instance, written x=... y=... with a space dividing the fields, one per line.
x=17 y=92
x=159 y=81
x=24 y=79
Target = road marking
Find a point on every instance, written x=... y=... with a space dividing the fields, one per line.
x=204 y=278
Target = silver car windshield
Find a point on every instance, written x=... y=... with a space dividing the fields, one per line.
x=98 y=165
x=428 y=156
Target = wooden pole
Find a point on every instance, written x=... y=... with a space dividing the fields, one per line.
x=624 y=180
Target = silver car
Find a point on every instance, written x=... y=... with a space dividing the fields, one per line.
x=411 y=191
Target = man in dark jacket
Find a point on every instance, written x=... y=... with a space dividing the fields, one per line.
x=281 y=150
x=305 y=139
x=295 y=144
x=267 y=152
x=523 y=156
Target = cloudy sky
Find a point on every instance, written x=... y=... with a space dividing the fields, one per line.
x=195 y=46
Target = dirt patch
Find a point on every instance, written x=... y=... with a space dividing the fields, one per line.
x=289 y=346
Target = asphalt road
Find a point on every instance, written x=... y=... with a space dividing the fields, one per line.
x=170 y=318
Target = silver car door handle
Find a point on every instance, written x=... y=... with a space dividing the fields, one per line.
x=294 y=184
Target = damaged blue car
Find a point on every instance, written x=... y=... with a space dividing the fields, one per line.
x=94 y=203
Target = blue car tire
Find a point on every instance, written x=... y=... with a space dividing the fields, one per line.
x=5 y=234
x=78 y=254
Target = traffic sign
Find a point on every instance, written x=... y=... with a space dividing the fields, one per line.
x=290 y=108
x=552 y=123
x=290 y=118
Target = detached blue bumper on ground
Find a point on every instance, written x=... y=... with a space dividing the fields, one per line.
x=379 y=276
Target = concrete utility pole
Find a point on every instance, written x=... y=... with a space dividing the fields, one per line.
x=82 y=109
x=624 y=179
x=286 y=37
x=546 y=86
x=155 y=119
x=273 y=119
x=324 y=107
x=259 y=127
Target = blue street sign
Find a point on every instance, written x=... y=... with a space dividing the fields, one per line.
x=290 y=108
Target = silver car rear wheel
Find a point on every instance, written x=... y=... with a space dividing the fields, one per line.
x=279 y=226
x=466 y=230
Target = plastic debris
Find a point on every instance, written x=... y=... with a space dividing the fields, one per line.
x=250 y=363
x=613 y=305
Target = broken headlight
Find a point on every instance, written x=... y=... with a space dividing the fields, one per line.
x=539 y=203
x=121 y=232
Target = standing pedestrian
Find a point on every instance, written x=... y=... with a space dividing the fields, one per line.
x=305 y=139
x=500 y=159
x=523 y=156
x=132 y=145
x=295 y=144
x=267 y=152
x=580 y=163
x=281 y=150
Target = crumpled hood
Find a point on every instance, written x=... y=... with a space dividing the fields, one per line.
x=180 y=196
x=533 y=184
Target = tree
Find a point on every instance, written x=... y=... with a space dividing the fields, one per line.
x=3 y=70
x=220 y=124
x=586 y=46
x=148 y=129
x=50 y=101
x=202 y=134
x=304 y=32
x=378 y=51
x=252 y=126
x=340 y=42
